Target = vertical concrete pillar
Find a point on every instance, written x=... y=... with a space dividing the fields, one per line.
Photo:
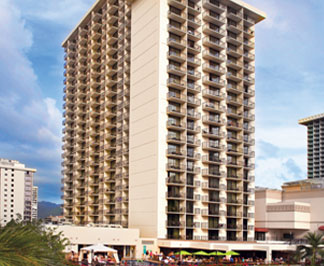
x=269 y=255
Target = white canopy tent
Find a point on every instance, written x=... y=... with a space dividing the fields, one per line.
x=98 y=248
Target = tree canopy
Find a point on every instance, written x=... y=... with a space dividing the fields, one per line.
x=30 y=244
x=314 y=250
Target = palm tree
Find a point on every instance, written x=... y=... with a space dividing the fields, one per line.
x=30 y=244
x=314 y=248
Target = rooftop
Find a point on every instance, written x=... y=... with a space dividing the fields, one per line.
x=306 y=120
x=256 y=13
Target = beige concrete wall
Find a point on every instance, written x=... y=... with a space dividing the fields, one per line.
x=84 y=235
x=262 y=198
x=147 y=130
x=315 y=198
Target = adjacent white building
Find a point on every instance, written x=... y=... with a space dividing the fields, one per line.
x=16 y=189
x=35 y=203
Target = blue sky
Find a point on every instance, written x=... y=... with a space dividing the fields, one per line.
x=289 y=78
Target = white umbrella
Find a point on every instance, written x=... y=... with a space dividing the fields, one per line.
x=101 y=248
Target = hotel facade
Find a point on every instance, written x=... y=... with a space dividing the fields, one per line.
x=16 y=191
x=159 y=118
x=315 y=145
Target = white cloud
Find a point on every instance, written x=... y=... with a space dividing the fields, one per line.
x=283 y=137
x=30 y=123
x=275 y=165
x=64 y=12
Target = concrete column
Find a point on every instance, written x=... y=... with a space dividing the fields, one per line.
x=269 y=255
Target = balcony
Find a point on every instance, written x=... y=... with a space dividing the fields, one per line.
x=213 y=120
x=193 y=8
x=234 y=201
x=235 y=15
x=193 y=48
x=176 y=83
x=218 y=57
x=248 y=80
x=177 y=3
x=212 y=107
x=234 y=214
x=212 y=17
x=214 y=69
x=213 y=81
x=213 y=94
x=207 y=199
x=214 y=31
x=193 y=101
x=210 y=146
x=193 y=88
x=176 y=181
x=192 y=74
x=193 y=61
x=175 y=224
x=176 y=153
x=175 y=167
x=178 y=30
x=212 y=173
x=179 y=57
x=234 y=27
x=192 y=169
x=235 y=52
x=249 y=69
x=177 y=43
x=234 y=163
x=213 y=43
x=234 y=189
x=214 y=5
x=248 y=33
x=176 y=139
x=212 y=159
x=173 y=110
x=234 y=125
x=175 y=210
x=249 y=56
x=176 y=125
x=194 y=22
x=249 y=93
x=193 y=115
x=248 y=44
x=209 y=186
x=234 y=76
x=176 y=196
x=212 y=133
x=194 y=35
x=237 y=89
x=248 y=105
x=193 y=129
x=249 y=117
x=207 y=212
x=248 y=129
x=179 y=17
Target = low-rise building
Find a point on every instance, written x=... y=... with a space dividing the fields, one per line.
x=288 y=214
x=126 y=241
x=16 y=185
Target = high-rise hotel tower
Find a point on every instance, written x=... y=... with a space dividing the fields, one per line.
x=315 y=145
x=159 y=118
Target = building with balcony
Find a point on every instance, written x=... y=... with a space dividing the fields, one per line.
x=315 y=145
x=35 y=203
x=159 y=118
x=16 y=191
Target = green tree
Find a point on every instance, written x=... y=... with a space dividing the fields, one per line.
x=314 y=249
x=30 y=244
